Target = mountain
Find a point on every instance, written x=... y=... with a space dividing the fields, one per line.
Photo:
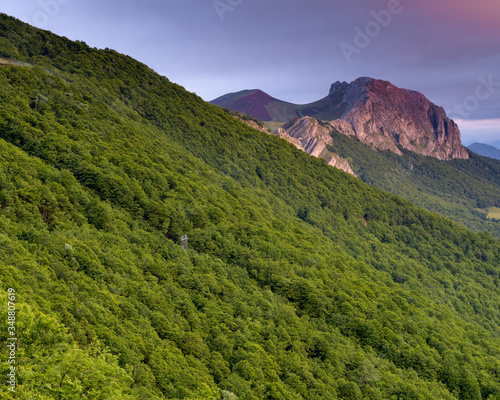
x=314 y=141
x=374 y=111
x=367 y=111
x=460 y=189
x=251 y=102
x=485 y=150
x=298 y=281
x=262 y=106
x=386 y=118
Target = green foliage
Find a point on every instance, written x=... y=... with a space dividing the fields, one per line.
x=455 y=189
x=50 y=366
x=299 y=282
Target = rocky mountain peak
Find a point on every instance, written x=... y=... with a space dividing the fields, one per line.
x=389 y=118
x=375 y=111
x=338 y=87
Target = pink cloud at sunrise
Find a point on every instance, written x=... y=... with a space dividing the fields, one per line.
x=481 y=15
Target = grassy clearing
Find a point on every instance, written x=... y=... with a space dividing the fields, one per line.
x=493 y=212
x=273 y=125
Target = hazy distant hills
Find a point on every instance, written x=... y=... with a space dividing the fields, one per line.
x=485 y=150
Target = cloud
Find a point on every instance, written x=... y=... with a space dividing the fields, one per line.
x=291 y=48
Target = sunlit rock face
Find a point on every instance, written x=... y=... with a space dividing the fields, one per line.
x=310 y=135
x=384 y=116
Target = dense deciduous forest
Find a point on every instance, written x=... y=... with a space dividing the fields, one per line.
x=299 y=281
x=457 y=189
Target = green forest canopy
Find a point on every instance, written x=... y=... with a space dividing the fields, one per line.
x=300 y=281
x=455 y=189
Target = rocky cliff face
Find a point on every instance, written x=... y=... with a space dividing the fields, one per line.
x=309 y=135
x=384 y=116
x=375 y=111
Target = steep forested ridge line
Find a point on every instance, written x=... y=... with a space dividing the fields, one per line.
x=455 y=189
x=299 y=282
x=458 y=189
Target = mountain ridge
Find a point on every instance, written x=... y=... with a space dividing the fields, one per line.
x=375 y=111
x=485 y=150
x=458 y=201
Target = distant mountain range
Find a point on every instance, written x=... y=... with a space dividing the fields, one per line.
x=374 y=111
x=485 y=150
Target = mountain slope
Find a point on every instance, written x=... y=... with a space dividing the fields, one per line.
x=250 y=102
x=299 y=282
x=456 y=189
x=485 y=150
x=374 y=111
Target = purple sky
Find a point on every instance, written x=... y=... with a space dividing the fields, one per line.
x=295 y=49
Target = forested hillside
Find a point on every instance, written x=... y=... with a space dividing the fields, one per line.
x=456 y=189
x=299 y=281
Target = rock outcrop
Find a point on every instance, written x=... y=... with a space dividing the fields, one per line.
x=385 y=117
x=309 y=135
